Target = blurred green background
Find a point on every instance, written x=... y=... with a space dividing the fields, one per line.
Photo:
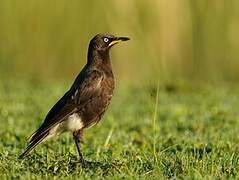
x=187 y=39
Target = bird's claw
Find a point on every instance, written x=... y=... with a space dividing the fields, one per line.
x=82 y=162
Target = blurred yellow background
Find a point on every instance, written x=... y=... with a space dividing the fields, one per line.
x=179 y=39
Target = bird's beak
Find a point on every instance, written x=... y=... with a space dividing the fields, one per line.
x=117 y=40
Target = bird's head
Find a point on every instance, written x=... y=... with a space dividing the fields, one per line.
x=101 y=43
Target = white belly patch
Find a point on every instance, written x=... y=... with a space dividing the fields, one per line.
x=73 y=123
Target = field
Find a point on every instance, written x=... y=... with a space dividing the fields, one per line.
x=186 y=127
x=191 y=132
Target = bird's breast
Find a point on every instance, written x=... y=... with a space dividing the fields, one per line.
x=92 y=112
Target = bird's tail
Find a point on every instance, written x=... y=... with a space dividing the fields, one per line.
x=35 y=140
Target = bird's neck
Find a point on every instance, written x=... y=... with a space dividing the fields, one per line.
x=97 y=58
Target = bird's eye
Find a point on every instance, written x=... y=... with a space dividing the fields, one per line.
x=106 y=40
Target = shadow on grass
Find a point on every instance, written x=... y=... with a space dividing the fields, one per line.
x=40 y=164
x=96 y=165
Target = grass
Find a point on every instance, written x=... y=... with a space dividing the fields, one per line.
x=195 y=134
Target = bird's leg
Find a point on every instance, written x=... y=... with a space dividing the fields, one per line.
x=77 y=137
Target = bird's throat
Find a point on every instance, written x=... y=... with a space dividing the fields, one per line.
x=98 y=57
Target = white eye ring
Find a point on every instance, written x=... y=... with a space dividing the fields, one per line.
x=106 y=40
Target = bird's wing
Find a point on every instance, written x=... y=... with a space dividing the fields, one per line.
x=80 y=92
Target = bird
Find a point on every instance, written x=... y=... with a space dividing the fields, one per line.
x=84 y=104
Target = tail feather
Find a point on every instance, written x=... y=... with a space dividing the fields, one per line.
x=34 y=141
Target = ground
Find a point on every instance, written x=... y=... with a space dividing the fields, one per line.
x=192 y=132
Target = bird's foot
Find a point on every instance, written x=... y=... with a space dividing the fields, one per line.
x=82 y=162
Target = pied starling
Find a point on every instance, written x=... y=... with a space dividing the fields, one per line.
x=83 y=105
